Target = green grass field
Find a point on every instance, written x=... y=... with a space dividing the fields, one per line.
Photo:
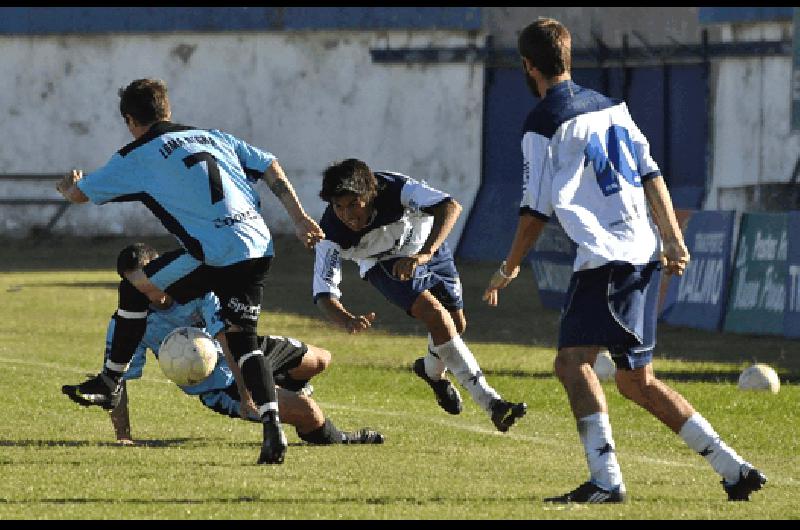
x=60 y=461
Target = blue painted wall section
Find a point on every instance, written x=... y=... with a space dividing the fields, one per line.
x=727 y=15
x=677 y=131
x=51 y=20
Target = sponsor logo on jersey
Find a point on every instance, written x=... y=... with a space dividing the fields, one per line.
x=249 y=312
x=239 y=217
x=331 y=264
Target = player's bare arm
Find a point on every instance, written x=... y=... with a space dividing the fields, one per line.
x=68 y=187
x=445 y=215
x=143 y=284
x=529 y=228
x=306 y=229
x=675 y=254
x=334 y=311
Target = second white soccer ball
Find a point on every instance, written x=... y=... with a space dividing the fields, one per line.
x=759 y=377
x=187 y=355
x=604 y=366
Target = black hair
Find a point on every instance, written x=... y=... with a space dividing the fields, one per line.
x=134 y=257
x=348 y=176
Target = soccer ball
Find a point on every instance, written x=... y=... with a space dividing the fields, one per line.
x=759 y=377
x=604 y=366
x=187 y=355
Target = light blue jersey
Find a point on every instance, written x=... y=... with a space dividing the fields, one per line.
x=199 y=313
x=196 y=183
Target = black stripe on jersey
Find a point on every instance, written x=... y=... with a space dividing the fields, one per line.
x=651 y=176
x=158 y=129
x=387 y=205
x=192 y=245
x=527 y=210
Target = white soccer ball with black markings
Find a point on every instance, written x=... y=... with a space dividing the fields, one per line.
x=604 y=366
x=759 y=377
x=187 y=355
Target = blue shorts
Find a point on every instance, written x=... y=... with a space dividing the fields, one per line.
x=439 y=276
x=615 y=306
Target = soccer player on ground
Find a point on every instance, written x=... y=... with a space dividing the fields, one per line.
x=586 y=161
x=293 y=362
x=196 y=182
x=394 y=228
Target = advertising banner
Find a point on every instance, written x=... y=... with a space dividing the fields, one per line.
x=758 y=290
x=697 y=299
x=791 y=315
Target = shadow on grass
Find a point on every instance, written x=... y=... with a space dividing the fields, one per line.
x=67 y=285
x=387 y=500
x=170 y=442
x=519 y=319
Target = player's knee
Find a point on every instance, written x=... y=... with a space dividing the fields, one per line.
x=323 y=359
x=633 y=384
x=568 y=363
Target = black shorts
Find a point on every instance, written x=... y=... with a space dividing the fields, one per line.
x=284 y=353
x=239 y=287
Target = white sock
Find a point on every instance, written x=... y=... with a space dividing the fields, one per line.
x=701 y=437
x=460 y=361
x=434 y=366
x=598 y=444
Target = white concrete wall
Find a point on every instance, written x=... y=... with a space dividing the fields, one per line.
x=752 y=138
x=309 y=97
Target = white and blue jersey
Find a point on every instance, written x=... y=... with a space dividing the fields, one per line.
x=399 y=228
x=200 y=313
x=198 y=183
x=585 y=160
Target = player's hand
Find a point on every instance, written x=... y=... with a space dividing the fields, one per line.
x=675 y=256
x=403 y=269
x=308 y=232
x=499 y=280
x=359 y=323
x=69 y=180
x=247 y=408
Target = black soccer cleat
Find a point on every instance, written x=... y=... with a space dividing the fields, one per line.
x=273 y=449
x=750 y=480
x=589 y=493
x=505 y=413
x=99 y=390
x=363 y=436
x=447 y=395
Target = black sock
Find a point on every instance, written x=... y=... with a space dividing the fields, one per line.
x=257 y=370
x=328 y=434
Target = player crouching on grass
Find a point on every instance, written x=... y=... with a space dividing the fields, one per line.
x=294 y=364
x=394 y=228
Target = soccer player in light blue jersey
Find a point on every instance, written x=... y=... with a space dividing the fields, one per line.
x=394 y=227
x=293 y=363
x=587 y=163
x=196 y=183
